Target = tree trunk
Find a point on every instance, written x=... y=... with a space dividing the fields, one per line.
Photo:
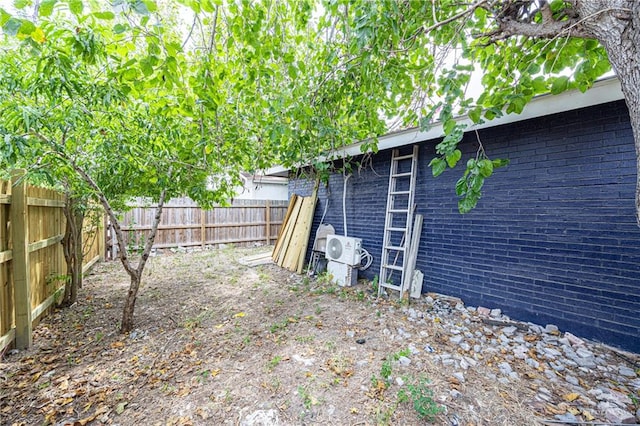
x=72 y=249
x=136 y=275
x=130 y=304
x=620 y=35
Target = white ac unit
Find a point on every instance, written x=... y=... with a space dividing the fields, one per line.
x=342 y=274
x=343 y=249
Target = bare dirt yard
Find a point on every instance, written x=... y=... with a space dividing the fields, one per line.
x=220 y=343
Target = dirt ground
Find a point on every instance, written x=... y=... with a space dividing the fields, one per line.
x=220 y=343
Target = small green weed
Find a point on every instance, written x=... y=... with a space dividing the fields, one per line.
x=374 y=284
x=403 y=353
x=421 y=396
x=274 y=328
x=195 y=322
x=273 y=362
x=307 y=399
x=385 y=371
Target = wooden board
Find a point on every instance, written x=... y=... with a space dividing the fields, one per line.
x=288 y=232
x=285 y=223
x=297 y=237
x=255 y=260
x=308 y=223
x=411 y=258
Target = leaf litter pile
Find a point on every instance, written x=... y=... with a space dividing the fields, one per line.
x=217 y=342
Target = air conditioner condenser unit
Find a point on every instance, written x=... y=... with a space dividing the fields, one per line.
x=345 y=250
x=342 y=274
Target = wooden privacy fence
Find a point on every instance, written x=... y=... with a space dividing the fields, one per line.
x=185 y=224
x=32 y=266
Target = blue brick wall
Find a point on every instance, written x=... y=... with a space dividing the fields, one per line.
x=554 y=238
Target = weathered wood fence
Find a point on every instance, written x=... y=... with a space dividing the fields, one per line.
x=32 y=266
x=185 y=224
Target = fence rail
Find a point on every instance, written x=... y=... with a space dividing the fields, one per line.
x=32 y=266
x=185 y=224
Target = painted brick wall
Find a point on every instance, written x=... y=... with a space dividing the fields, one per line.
x=554 y=238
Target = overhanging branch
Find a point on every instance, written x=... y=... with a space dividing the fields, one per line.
x=568 y=22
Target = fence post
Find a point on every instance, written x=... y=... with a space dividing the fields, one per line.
x=203 y=228
x=19 y=232
x=267 y=213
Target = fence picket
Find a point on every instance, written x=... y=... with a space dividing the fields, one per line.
x=31 y=260
x=20 y=261
x=185 y=224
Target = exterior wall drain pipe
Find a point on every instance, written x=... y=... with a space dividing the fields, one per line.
x=344 y=204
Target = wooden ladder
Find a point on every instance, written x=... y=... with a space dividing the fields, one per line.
x=398 y=220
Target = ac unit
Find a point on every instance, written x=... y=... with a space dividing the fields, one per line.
x=343 y=249
x=342 y=274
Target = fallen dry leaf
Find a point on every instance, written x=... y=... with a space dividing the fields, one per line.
x=570 y=397
x=120 y=407
x=550 y=409
x=36 y=376
x=573 y=410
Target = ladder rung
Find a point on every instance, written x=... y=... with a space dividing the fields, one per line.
x=394 y=248
x=400 y=193
x=396 y=175
x=397 y=229
x=394 y=267
x=391 y=286
x=403 y=157
x=398 y=210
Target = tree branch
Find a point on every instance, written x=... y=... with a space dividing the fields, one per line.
x=450 y=19
x=510 y=24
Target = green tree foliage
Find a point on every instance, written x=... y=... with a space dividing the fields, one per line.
x=435 y=61
x=114 y=99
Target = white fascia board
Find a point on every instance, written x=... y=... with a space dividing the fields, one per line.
x=603 y=91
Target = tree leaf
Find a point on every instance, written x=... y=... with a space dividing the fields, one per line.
x=560 y=84
x=46 y=7
x=106 y=15
x=448 y=126
x=453 y=157
x=466 y=204
x=4 y=16
x=461 y=186
x=438 y=165
x=76 y=7
x=486 y=167
x=38 y=35
x=475 y=114
x=140 y=7
x=12 y=26
x=27 y=27
x=21 y=4
x=119 y=28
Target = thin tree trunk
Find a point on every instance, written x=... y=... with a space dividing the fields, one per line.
x=72 y=249
x=134 y=286
x=79 y=253
x=135 y=273
x=130 y=304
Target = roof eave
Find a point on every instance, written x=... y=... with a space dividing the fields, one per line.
x=603 y=91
